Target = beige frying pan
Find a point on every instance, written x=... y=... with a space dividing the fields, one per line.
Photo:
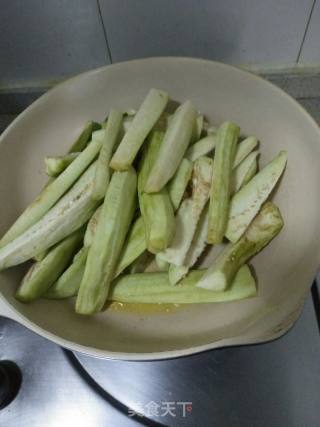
x=285 y=269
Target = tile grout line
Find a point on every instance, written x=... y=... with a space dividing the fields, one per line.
x=104 y=32
x=305 y=31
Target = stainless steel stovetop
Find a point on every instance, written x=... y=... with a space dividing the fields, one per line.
x=268 y=385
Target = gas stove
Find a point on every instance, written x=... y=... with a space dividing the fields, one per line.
x=273 y=384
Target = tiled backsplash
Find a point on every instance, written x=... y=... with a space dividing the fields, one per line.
x=310 y=52
x=42 y=41
x=233 y=31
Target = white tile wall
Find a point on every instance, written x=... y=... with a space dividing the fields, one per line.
x=49 y=39
x=43 y=40
x=310 y=53
x=234 y=31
